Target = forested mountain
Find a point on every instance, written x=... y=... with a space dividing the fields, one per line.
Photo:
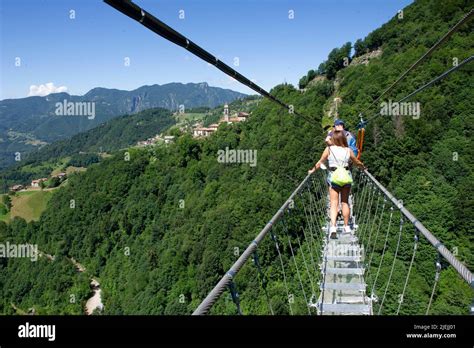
x=115 y=134
x=30 y=122
x=162 y=225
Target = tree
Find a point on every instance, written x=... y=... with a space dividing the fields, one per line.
x=311 y=75
x=303 y=82
x=338 y=58
x=54 y=182
x=359 y=48
x=322 y=68
x=7 y=201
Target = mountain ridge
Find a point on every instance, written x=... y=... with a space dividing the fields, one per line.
x=34 y=119
x=123 y=90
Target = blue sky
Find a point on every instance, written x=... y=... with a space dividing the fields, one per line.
x=90 y=50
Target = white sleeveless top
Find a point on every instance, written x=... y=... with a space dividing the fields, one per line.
x=338 y=156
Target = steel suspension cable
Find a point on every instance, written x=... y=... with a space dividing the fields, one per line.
x=311 y=246
x=298 y=274
x=415 y=246
x=446 y=36
x=376 y=238
x=319 y=213
x=370 y=226
x=218 y=289
x=462 y=270
x=275 y=240
x=362 y=210
x=374 y=224
x=309 y=212
x=438 y=78
x=368 y=211
x=310 y=275
x=316 y=210
x=235 y=297
x=287 y=232
x=393 y=264
x=323 y=281
x=360 y=202
x=438 y=270
x=383 y=251
x=263 y=280
x=154 y=24
x=433 y=81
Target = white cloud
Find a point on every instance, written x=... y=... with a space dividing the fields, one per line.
x=45 y=89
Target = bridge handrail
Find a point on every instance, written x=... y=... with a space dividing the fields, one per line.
x=452 y=260
x=220 y=287
x=212 y=297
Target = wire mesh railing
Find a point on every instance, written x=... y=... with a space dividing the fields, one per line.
x=404 y=261
x=282 y=270
x=281 y=267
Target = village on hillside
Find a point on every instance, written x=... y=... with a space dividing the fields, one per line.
x=200 y=131
x=197 y=129
x=37 y=184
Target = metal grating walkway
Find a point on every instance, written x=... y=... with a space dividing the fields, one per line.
x=343 y=289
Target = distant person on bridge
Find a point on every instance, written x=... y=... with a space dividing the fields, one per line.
x=351 y=140
x=338 y=154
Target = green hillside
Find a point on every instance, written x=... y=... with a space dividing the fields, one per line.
x=83 y=148
x=163 y=224
x=30 y=205
x=27 y=205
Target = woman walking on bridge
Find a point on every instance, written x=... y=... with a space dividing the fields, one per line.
x=338 y=155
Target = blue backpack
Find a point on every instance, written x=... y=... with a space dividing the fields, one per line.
x=351 y=141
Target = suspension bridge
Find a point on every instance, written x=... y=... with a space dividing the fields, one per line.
x=352 y=274
x=297 y=268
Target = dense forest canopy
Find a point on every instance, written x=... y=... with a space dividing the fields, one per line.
x=159 y=224
x=83 y=148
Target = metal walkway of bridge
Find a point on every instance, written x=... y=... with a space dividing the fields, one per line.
x=343 y=289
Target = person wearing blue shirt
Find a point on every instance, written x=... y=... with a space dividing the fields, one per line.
x=351 y=140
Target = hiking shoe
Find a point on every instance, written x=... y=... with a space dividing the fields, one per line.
x=332 y=232
x=347 y=229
